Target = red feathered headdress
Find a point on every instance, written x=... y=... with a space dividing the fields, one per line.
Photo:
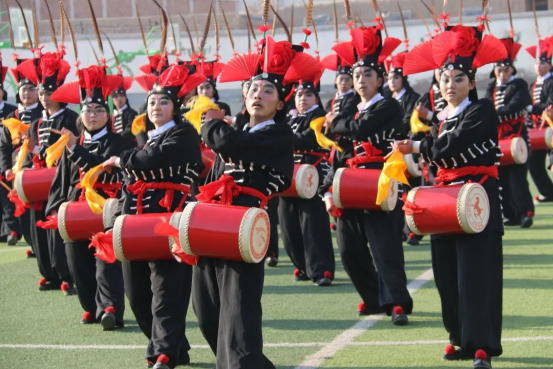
x=157 y=64
x=545 y=51
x=52 y=70
x=395 y=65
x=335 y=63
x=210 y=70
x=176 y=82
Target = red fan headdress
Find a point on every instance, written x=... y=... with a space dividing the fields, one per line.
x=280 y=63
x=545 y=51
x=157 y=64
x=176 y=82
x=395 y=65
x=3 y=74
x=512 y=48
x=210 y=70
x=52 y=70
x=335 y=63
x=366 y=48
x=460 y=47
x=125 y=83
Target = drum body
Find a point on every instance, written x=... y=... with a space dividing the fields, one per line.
x=413 y=168
x=358 y=189
x=305 y=182
x=33 y=185
x=541 y=139
x=454 y=209
x=515 y=151
x=225 y=232
x=134 y=238
x=208 y=158
x=76 y=222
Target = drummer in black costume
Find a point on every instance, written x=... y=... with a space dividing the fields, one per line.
x=365 y=140
x=511 y=97
x=99 y=284
x=10 y=230
x=159 y=179
x=346 y=99
x=123 y=114
x=467 y=267
x=304 y=223
x=211 y=71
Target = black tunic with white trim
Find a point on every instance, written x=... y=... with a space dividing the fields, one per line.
x=122 y=123
x=408 y=102
x=40 y=129
x=542 y=95
x=260 y=158
x=6 y=109
x=173 y=156
x=345 y=103
x=93 y=151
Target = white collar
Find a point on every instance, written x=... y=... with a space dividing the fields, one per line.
x=499 y=84
x=542 y=79
x=448 y=114
x=102 y=133
x=158 y=131
x=45 y=114
x=376 y=98
x=436 y=87
x=400 y=95
x=1 y=105
x=117 y=112
x=309 y=111
x=259 y=126
x=344 y=93
x=21 y=107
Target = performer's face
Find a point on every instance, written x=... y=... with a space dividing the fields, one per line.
x=305 y=100
x=542 y=68
x=455 y=86
x=246 y=88
x=94 y=116
x=28 y=94
x=262 y=101
x=503 y=74
x=119 y=100
x=344 y=82
x=206 y=89
x=395 y=82
x=160 y=109
x=46 y=101
x=1 y=94
x=366 y=82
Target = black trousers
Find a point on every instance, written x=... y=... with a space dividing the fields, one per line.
x=58 y=258
x=538 y=171
x=386 y=289
x=516 y=199
x=99 y=284
x=305 y=229
x=26 y=229
x=468 y=270
x=159 y=294
x=39 y=240
x=9 y=222
x=272 y=211
x=227 y=302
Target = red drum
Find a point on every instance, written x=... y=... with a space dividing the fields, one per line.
x=225 y=232
x=514 y=151
x=33 y=185
x=108 y=213
x=541 y=139
x=413 y=168
x=76 y=222
x=134 y=238
x=454 y=209
x=305 y=182
x=358 y=188
x=208 y=158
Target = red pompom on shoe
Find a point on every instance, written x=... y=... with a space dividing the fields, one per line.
x=333 y=226
x=297 y=273
x=412 y=235
x=481 y=354
x=530 y=214
x=110 y=309
x=449 y=350
x=361 y=306
x=537 y=198
x=327 y=275
x=28 y=252
x=163 y=359
x=42 y=282
x=398 y=310
x=87 y=316
x=13 y=234
x=64 y=286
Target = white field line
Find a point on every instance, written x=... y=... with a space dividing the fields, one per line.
x=347 y=337
x=267 y=345
x=15 y=248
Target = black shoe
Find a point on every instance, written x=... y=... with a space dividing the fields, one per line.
x=184 y=359
x=300 y=276
x=482 y=364
x=30 y=254
x=48 y=286
x=108 y=321
x=511 y=222
x=452 y=354
x=149 y=364
x=540 y=200
x=412 y=241
x=88 y=318
x=323 y=282
x=399 y=317
x=12 y=239
x=526 y=222
x=68 y=289
x=363 y=310
x=271 y=261
x=160 y=365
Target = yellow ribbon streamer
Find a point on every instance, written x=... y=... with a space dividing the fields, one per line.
x=139 y=124
x=394 y=168
x=21 y=156
x=201 y=105
x=95 y=201
x=317 y=126
x=17 y=128
x=55 y=151
x=547 y=119
x=416 y=125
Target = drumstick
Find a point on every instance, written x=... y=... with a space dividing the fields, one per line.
x=389 y=154
x=56 y=131
x=5 y=186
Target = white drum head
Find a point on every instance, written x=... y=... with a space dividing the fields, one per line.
x=109 y=210
x=254 y=236
x=61 y=222
x=473 y=208
x=390 y=202
x=519 y=150
x=117 y=238
x=307 y=181
x=549 y=137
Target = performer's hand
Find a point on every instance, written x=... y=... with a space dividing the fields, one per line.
x=404 y=146
x=72 y=139
x=229 y=120
x=111 y=162
x=215 y=114
x=9 y=174
x=331 y=208
x=31 y=144
x=423 y=112
x=54 y=213
x=329 y=119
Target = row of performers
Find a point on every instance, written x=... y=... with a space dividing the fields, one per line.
x=255 y=156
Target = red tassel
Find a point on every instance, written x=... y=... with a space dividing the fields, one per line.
x=103 y=242
x=50 y=223
x=87 y=316
x=264 y=28
x=20 y=206
x=449 y=350
x=361 y=306
x=28 y=252
x=305 y=45
x=165 y=229
x=42 y=282
x=327 y=275
x=64 y=286
x=398 y=310
x=297 y=273
x=307 y=32
x=110 y=309
x=481 y=354
x=530 y=214
x=163 y=359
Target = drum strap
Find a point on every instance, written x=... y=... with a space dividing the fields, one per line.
x=506 y=127
x=227 y=189
x=321 y=156
x=450 y=175
x=372 y=155
x=139 y=188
